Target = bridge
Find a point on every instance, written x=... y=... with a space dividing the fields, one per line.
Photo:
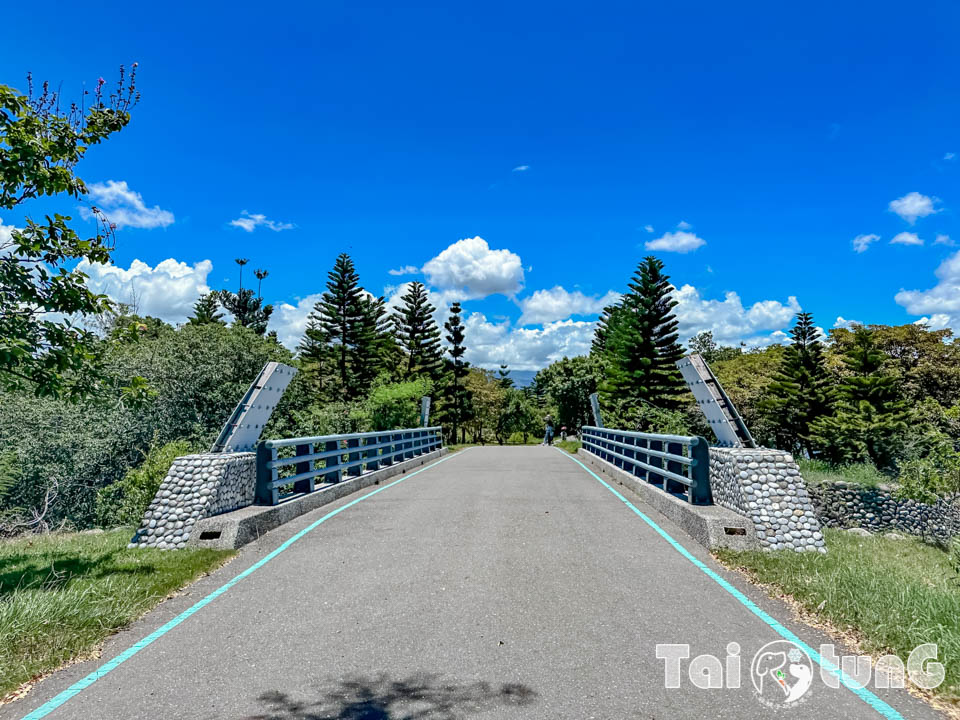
x=492 y=582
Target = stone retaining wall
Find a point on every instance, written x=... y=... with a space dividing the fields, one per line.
x=196 y=487
x=766 y=486
x=844 y=505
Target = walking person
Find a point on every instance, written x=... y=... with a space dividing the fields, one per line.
x=548 y=432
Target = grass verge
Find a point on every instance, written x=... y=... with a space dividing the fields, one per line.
x=61 y=595
x=889 y=596
x=571 y=446
x=863 y=474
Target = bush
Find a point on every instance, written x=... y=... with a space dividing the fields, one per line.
x=124 y=502
x=930 y=479
x=397 y=405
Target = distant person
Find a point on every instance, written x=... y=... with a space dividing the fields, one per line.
x=548 y=432
x=563 y=433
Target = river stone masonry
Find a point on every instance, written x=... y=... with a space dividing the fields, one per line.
x=196 y=487
x=766 y=486
x=846 y=505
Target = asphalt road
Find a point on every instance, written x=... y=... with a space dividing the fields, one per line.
x=500 y=583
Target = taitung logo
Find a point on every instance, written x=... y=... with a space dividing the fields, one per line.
x=781 y=673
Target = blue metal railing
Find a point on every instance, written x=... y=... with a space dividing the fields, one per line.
x=353 y=453
x=678 y=464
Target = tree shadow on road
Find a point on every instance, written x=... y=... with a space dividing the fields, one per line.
x=419 y=697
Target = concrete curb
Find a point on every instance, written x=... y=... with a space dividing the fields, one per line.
x=237 y=528
x=710 y=525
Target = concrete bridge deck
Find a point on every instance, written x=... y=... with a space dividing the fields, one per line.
x=497 y=583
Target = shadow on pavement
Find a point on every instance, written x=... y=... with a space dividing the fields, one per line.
x=419 y=697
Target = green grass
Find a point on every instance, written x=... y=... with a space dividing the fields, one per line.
x=894 y=594
x=571 y=446
x=62 y=594
x=864 y=474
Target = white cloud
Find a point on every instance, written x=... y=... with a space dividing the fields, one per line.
x=290 y=321
x=680 y=241
x=405 y=270
x=167 y=291
x=729 y=321
x=941 y=300
x=648 y=228
x=938 y=321
x=490 y=344
x=521 y=168
x=470 y=267
x=913 y=205
x=906 y=238
x=844 y=323
x=124 y=207
x=943 y=240
x=6 y=234
x=862 y=242
x=251 y=221
x=684 y=225
x=546 y=306
x=949 y=156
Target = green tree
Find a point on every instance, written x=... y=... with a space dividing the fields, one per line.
x=316 y=357
x=375 y=350
x=456 y=401
x=870 y=417
x=206 y=310
x=801 y=393
x=248 y=311
x=418 y=336
x=517 y=415
x=569 y=383
x=42 y=138
x=340 y=315
x=703 y=344
x=503 y=376
x=640 y=348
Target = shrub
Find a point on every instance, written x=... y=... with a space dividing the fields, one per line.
x=124 y=502
x=397 y=405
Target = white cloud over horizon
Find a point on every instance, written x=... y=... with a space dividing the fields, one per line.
x=730 y=322
x=678 y=242
x=251 y=221
x=124 y=207
x=546 y=306
x=471 y=268
x=941 y=303
x=913 y=206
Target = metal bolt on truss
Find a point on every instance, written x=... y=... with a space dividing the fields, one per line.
x=245 y=425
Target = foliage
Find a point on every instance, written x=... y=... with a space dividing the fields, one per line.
x=703 y=344
x=397 y=405
x=41 y=349
x=487 y=399
x=870 y=417
x=456 y=397
x=820 y=471
x=61 y=595
x=517 y=415
x=930 y=479
x=569 y=383
x=503 y=376
x=871 y=584
x=639 y=343
x=124 y=502
x=248 y=311
x=418 y=336
x=745 y=378
x=801 y=393
x=206 y=310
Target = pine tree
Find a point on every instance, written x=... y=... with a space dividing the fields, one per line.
x=316 y=356
x=339 y=312
x=640 y=343
x=418 y=336
x=248 y=311
x=205 y=310
x=801 y=393
x=870 y=417
x=503 y=376
x=456 y=395
x=374 y=340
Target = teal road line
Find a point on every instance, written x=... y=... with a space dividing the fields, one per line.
x=868 y=697
x=51 y=705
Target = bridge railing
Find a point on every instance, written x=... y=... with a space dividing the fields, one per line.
x=328 y=457
x=678 y=464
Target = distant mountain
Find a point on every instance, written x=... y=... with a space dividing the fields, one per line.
x=522 y=378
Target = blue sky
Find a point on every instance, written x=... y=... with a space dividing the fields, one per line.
x=555 y=141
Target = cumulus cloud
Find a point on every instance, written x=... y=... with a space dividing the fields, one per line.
x=680 y=242
x=490 y=344
x=472 y=269
x=913 y=205
x=167 y=291
x=546 y=306
x=937 y=321
x=862 y=242
x=943 y=299
x=124 y=207
x=906 y=238
x=521 y=168
x=844 y=323
x=405 y=270
x=251 y=221
x=943 y=240
x=729 y=320
x=290 y=321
